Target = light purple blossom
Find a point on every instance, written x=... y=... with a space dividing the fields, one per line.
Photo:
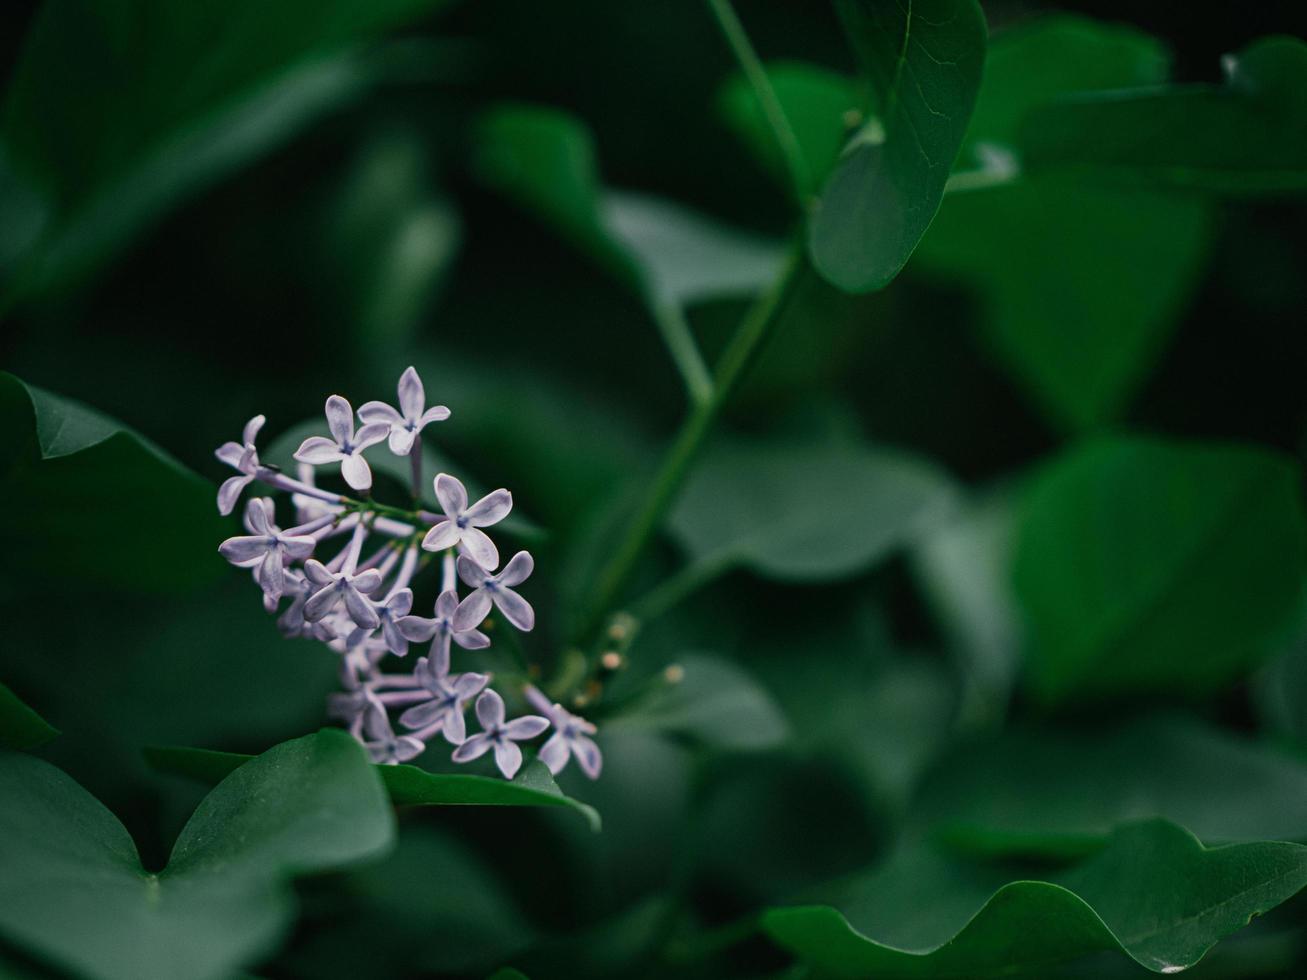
x=267 y=549
x=413 y=415
x=496 y=589
x=450 y=694
x=462 y=524
x=389 y=613
x=441 y=628
x=571 y=738
x=245 y=458
x=499 y=735
x=342 y=587
x=383 y=745
x=345 y=445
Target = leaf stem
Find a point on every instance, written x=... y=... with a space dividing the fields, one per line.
x=684 y=351
x=763 y=91
x=756 y=326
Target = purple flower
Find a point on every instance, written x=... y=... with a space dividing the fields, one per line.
x=498 y=735
x=411 y=418
x=449 y=697
x=389 y=613
x=344 y=445
x=245 y=458
x=462 y=524
x=419 y=630
x=268 y=548
x=571 y=738
x=334 y=589
x=383 y=745
x=497 y=589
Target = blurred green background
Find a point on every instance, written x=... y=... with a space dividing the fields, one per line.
x=237 y=211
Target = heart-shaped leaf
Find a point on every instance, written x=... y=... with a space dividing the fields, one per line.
x=805 y=513
x=1154 y=894
x=96 y=502
x=924 y=62
x=1247 y=136
x=20 y=727
x=74 y=892
x=1143 y=565
x=407 y=785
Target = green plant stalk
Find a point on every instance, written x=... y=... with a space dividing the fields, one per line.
x=761 y=84
x=756 y=326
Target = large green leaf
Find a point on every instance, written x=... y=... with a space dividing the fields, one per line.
x=1079 y=283
x=20 y=726
x=118 y=110
x=407 y=785
x=924 y=61
x=802 y=512
x=1143 y=565
x=92 y=501
x=74 y=891
x=1036 y=792
x=1246 y=136
x=1154 y=894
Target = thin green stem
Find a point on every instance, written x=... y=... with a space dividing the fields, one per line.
x=753 y=330
x=672 y=590
x=756 y=74
x=684 y=351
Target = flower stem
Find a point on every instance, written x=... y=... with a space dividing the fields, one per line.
x=752 y=331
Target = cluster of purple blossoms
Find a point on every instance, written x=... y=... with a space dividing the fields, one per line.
x=359 y=601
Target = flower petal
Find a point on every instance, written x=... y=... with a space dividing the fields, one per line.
x=490 y=509
x=477 y=544
x=472 y=640
x=455 y=726
x=256 y=517
x=516 y=609
x=401 y=441
x=451 y=494
x=490 y=708
x=447 y=602
x=588 y=756
x=317 y=450
x=271 y=579
x=416 y=628
x=472 y=611
x=518 y=569
x=421 y=715
x=297 y=547
x=508 y=757
x=396 y=642
x=436 y=413
x=370 y=435
x=528 y=726
x=367 y=581
x=554 y=753
x=407 y=747
x=244 y=552
x=379 y=412
x=360 y=610
x=471 y=573
x=317 y=573
x=441 y=536
x=320 y=603
x=473 y=748
x=400 y=603
x=230 y=453
x=251 y=431
x=467 y=685
x=340 y=419
x=411 y=395
x=356 y=472
x=230 y=492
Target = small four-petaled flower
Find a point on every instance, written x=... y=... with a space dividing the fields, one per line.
x=462 y=524
x=345 y=445
x=266 y=549
x=413 y=416
x=499 y=735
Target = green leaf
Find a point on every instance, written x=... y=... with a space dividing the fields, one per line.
x=1079 y=284
x=1143 y=565
x=98 y=503
x=407 y=785
x=74 y=891
x=1247 y=136
x=816 y=101
x=197 y=92
x=1048 y=793
x=20 y=727
x=924 y=61
x=716 y=702
x=1154 y=894
x=805 y=513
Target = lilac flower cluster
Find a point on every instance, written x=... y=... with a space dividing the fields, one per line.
x=359 y=600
